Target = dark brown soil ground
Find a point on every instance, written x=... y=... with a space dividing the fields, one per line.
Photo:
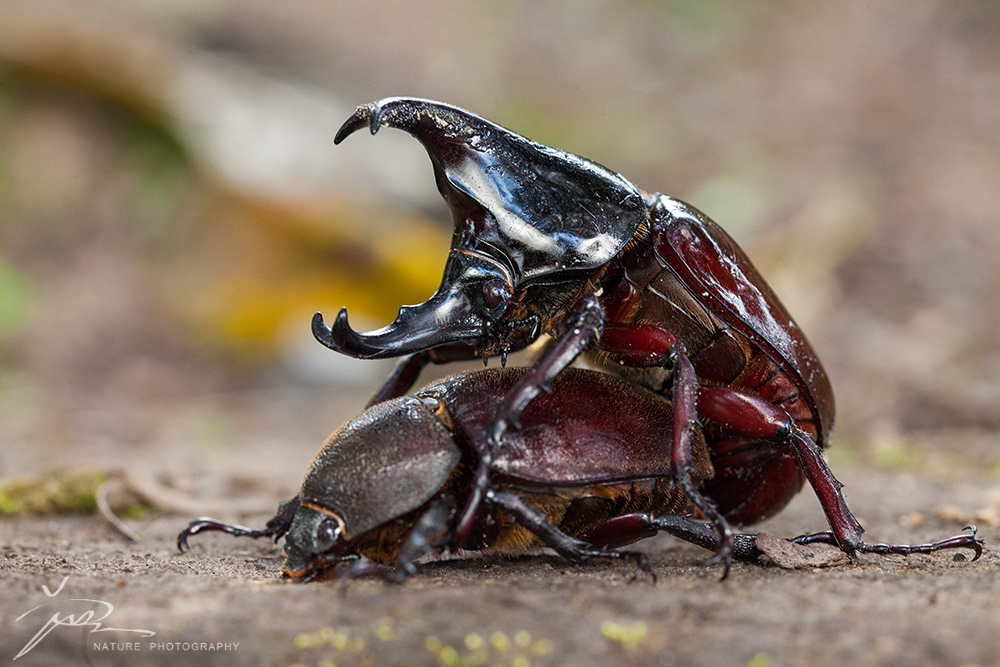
x=536 y=610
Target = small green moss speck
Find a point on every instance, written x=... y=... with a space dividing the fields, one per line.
x=15 y=299
x=55 y=492
x=629 y=637
x=8 y=505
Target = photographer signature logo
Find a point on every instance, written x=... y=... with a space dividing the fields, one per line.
x=93 y=615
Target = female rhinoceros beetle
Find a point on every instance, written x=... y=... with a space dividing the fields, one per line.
x=548 y=242
x=384 y=489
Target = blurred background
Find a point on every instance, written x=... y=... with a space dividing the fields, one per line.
x=173 y=210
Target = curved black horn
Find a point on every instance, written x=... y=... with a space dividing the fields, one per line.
x=443 y=319
x=425 y=119
x=343 y=338
x=539 y=209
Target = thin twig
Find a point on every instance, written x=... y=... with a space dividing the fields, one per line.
x=101 y=496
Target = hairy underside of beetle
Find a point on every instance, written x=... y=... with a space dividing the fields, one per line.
x=573 y=510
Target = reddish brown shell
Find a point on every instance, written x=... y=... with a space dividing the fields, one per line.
x=592 y=429
x=719 y=273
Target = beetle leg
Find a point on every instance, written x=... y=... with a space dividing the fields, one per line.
x=430 y=532
x=276 y=527
x=406 y=371
x=629 y=528
x=969 y=541
x=648 y=345
x=401 y=379
x=361 y=568
x=827 y=487
x=685 y=391
x=569 y=547
x=748 y=415
x=584 y=325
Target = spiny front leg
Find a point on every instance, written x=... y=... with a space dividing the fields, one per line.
x=583 y=326
x=429 y=533
x=276 y=527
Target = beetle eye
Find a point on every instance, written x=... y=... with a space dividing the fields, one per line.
x=495 y=292
x=327 y=535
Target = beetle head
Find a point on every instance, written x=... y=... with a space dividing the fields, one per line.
x=316 y=538
x=381 y=465
x=524 y=214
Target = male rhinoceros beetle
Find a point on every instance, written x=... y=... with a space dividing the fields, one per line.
x=548 y=242
x=384 y=489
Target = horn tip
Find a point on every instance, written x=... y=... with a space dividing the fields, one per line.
x=321 y=331
x=371 y=114
x=340 y=337
x=351 y=125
